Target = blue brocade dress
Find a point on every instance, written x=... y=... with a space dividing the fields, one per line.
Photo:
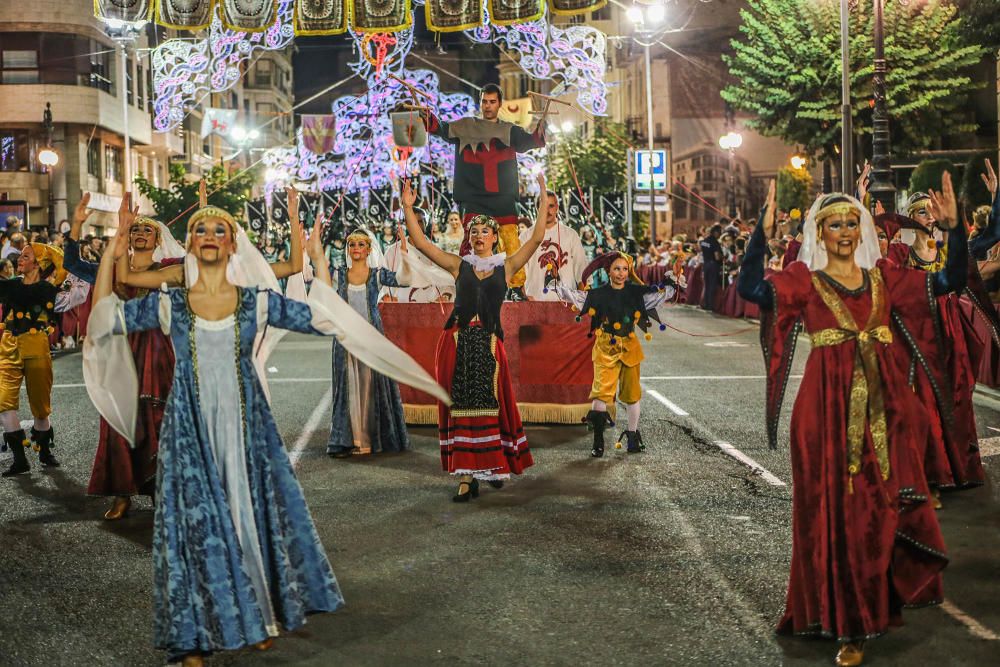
x=382 y=427
x=235 y=551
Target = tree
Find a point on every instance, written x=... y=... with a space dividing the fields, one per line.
x=794 y=189
x=974 y=192
x=787 y=68
x=600 y=161
x=927 y=175
x=175 y=203
x=980 y=22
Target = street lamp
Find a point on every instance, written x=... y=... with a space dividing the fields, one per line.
x=646 y=19
x=881 y=188
x=124 y=33
x=798 y=162
x=730 y=141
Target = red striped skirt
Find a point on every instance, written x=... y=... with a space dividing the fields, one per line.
x=480 y=435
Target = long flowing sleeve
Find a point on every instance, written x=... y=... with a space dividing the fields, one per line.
x=953 y=277
x=108 y=366
x=68 y=299
x=523 y=141
x=79 y=267
x=750 y=283
x=980 y=246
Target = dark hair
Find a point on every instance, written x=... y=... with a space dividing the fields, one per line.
x=491 y=89
x=551 y=193
x=715 y=229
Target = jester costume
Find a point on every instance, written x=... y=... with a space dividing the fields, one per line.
x=615 y=314
x=486 y=180
x=865 y=539
x=119 y=469
x=29 y=310
x=946 y=352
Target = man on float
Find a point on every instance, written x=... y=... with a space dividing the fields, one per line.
x=559 y=260
x=486 y=179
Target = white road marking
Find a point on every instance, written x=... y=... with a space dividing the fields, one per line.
x=670 y=406
x=711 y=377
x=727 y=343
x=972 y=625
x=726 y=447
x=318 y=413
x=989 y=446
x=749 y=462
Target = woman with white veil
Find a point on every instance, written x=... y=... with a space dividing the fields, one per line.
x=235 y=551
x=865 y=540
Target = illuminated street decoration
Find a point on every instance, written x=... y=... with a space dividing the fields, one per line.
x=184 y=71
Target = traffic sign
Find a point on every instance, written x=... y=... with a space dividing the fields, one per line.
x=651 y=170
x=641 y=203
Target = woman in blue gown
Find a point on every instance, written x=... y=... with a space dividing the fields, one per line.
x=235 y=551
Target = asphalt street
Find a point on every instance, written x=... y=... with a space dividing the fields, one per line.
x=677 y=556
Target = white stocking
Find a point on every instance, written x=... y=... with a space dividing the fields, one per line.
x=599 y=405
x=632 y=412
x=10 y=421
x=42 y=424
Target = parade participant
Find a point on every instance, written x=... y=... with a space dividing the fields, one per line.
x=367 y=408
x=711 y=266
x=30 y=303
x=865 y=539
x=235 y=551
x=616 y=309
x=481 y=434
x=486 y=178
x=120 y=470
x=945 y=358
x=588 y=239
x=454 y=234
x=559 y=260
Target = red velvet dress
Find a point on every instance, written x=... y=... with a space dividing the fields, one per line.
x=948 y=351
x=863 y=544
x=120 y=470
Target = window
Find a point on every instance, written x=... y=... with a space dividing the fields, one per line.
x=15 y=151
x=129 y=81
x=140 y=88
x=113 y=163
x=100 y=68
x=262 y=74
x=602 y=14
x=19 y=66
x=94 y=158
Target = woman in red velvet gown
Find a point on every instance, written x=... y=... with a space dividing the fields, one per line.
x=865 y=540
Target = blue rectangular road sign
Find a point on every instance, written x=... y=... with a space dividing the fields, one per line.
x=650 y=170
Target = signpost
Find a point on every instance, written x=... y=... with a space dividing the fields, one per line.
x=651 y=170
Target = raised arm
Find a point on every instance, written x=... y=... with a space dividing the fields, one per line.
x=321 y=268
x=445 y=260
x=104 y=282
x=293 y=264
x=520 y=258
x=989 y=237
x=750 y=283
x=954 y=275
x=80 y=214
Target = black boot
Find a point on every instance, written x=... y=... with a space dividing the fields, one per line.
x=44 y=442
x=598 y=421
x=16 y=442
x=634 y=442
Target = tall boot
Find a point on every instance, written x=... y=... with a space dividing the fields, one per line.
x=16 y=442
x=598 y=421
x=634 y=442
x=44 y=442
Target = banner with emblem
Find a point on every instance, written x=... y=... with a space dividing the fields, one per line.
x=381 y=15
x=248 y=16
x=131 y=11
x=187 y=15
x=573 y=7
x=509 y=12
x=453 y=15
x=319 y=133
x=320 y=17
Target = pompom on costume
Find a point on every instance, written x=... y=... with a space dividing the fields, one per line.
x=616 y=315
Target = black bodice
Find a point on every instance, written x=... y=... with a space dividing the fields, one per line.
x=479 y=298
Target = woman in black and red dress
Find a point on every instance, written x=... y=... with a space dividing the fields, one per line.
x=481 y=433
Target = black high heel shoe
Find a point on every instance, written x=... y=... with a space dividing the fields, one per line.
x=472 y=492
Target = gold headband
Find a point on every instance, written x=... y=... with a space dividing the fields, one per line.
x=486 y=220
x=360 y=236
x=917 y=204
x=213 y=212
x=836 y=208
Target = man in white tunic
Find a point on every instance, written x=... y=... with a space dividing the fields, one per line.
x=559 y=260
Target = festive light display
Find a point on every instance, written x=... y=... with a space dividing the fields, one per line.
x=573 y=56
x=184 y=71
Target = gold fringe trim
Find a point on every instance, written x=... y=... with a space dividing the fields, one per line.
x=536 y=413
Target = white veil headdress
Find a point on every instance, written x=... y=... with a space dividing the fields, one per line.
x=167 y=247
x=813 y=252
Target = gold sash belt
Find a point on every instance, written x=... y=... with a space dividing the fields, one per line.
x=867 y=401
